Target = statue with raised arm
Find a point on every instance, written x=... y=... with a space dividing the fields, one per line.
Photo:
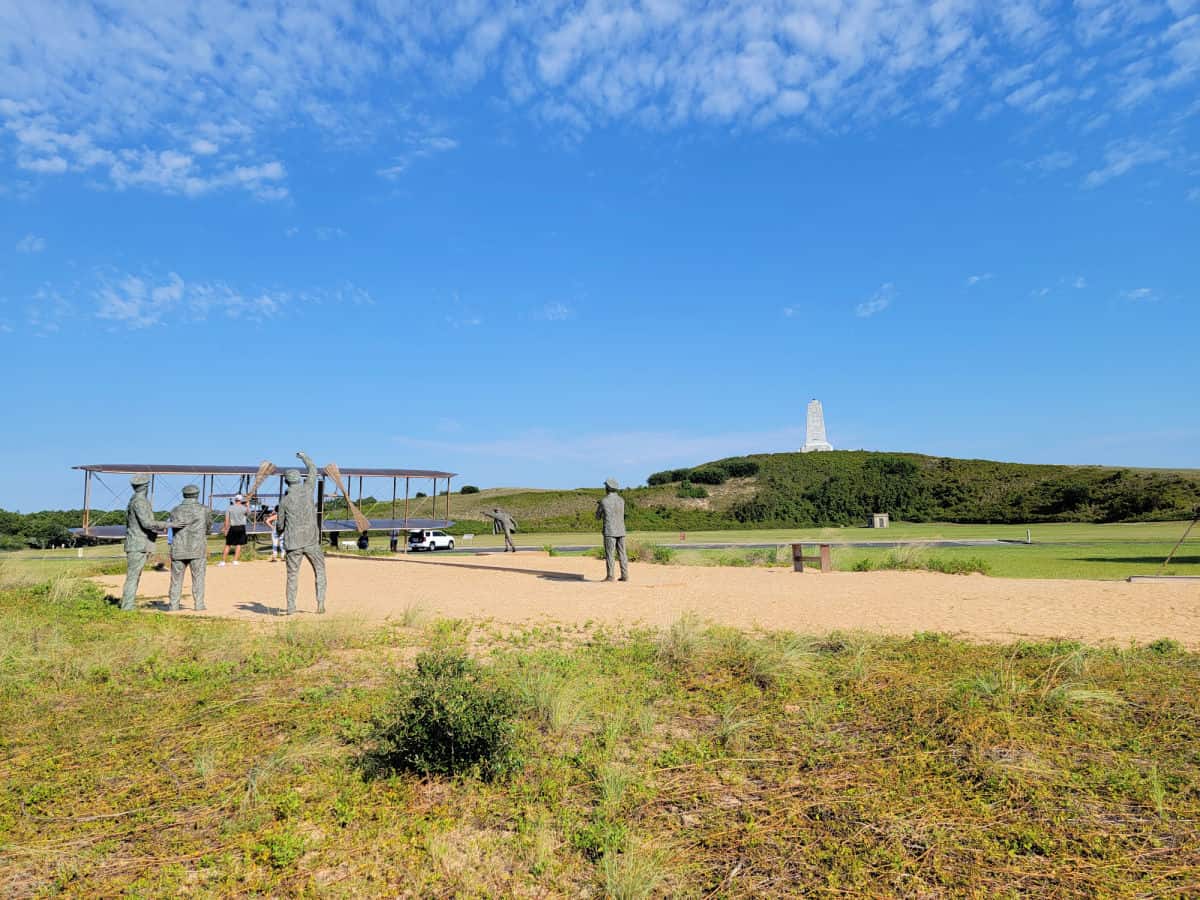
x=190 y=523
x=140 y=533
x=611 y=512
x=297 y=525
x=502 y=520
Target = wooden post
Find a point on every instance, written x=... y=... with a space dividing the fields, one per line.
x=826 y=558
x=797 y=557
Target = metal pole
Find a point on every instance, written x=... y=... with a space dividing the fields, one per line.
x=320 y=507
x=447 y=498
x=393 y=497
x=151 y=493
x=1179 y=543
x=405 y=513
x=87 y=499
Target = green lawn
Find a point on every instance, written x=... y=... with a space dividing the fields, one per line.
x=148 y=755
x=1058 y=551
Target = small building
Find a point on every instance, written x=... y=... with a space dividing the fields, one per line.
x=878 y=520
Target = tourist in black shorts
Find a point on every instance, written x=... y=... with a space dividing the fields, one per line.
x=235 y=529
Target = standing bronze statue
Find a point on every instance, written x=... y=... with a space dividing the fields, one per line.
x=503 y=521
x=190 y=523
x=611 y=511
x=140 y=533
x=297 y=524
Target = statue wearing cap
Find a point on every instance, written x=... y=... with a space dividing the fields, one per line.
x=140 y=533
x=191 y=523
x=611 y=511
x=297 y=523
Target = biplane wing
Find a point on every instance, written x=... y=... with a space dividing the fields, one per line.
x=207 y=476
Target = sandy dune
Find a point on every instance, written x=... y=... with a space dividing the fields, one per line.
x=536 y=588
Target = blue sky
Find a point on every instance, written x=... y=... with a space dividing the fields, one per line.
x=546 y=243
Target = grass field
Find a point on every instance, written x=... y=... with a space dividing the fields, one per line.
x=150 y=755
x=1057 y=551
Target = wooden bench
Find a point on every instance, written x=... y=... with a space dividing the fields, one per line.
x=825 y=559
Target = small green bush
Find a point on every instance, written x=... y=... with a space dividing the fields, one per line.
x=1165 y=647
x=707 y=475
x=447 y=718
x=917 y=562
x=469 y=489
x=662 y=555
x=689 y=491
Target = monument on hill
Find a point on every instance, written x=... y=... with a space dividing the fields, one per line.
x=814 y=431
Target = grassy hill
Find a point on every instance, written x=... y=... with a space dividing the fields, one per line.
x=843 y=488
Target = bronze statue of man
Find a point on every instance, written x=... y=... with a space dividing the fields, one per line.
x=503 y=520
x=190 y=523
x=140 y=532
x=611 y=511
x=297 y=524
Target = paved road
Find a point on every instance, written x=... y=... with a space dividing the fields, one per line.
x=689 y=545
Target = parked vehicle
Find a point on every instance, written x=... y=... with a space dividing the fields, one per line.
x=430 y=540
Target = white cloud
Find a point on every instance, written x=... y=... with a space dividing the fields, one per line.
x=1079 y=282
x=327 y=233
x=1121 y=157
x=556 y=312
x=878 y=302
x=1194 y=195
x=419 y=146
x=973 y=280
x=127 y=89
x=31 y=243
x=291 y=231
x=144 y=300
x=1040 y=292
x=1055 y=161
x=790 y=312
x=1140 y=295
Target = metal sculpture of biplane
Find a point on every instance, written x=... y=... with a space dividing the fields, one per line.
x=250 y=480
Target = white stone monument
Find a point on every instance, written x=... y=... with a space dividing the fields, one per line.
x=814 y=431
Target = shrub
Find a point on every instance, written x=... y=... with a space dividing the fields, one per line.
x=469 y=489
x=707 y=475
x=689 y=491
x=740 y=468
x=447 y=718
x=666 y=477
x=419 y=494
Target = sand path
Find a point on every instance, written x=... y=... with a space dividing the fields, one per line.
x=533 y=588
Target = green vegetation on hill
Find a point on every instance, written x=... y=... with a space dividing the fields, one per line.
x=783 y=490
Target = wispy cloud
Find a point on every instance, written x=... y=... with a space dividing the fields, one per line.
x=973 y=280
x=1140 y=295
x=1056 y=161
x=1122 y=157
x=1194 y=195
x=555 y=312
x=328 y=233
x=190 y=98
x=1079 y=282
x=878 y=302
x=139 y=300
x=418 y=147
x=31 y=243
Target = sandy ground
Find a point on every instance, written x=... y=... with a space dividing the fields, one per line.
x=533 y=588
